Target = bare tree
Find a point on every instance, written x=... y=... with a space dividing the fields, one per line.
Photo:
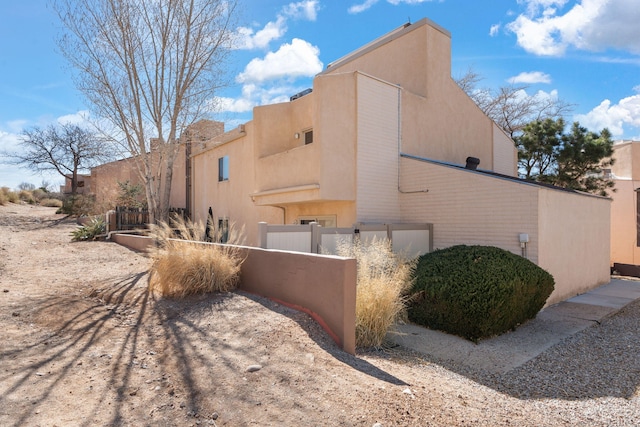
x=67 y=149
x=510 y=107
x=149 y=68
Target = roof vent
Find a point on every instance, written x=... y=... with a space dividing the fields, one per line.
x=300 y=94
x=472 y=163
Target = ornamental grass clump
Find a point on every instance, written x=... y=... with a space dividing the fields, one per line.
x=185 y=264
x=477 y=292
x=383 y=281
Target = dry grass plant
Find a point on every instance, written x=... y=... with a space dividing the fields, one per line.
x=51 y=203
x=6 y=195
x=384 y=278
x=185 y=264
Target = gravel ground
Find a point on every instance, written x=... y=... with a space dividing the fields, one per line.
x=83 y=342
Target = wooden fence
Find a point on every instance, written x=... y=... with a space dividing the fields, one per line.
x=137 y=218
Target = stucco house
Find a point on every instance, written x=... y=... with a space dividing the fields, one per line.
x=84 y=184
x=386 y=135
x=104 y=178
x=625 y=209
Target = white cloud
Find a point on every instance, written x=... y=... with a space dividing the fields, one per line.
x=615 y=117
x=254 y=95
x=530 y=78
x=367 y=4
x=493 y=31
x=16 y=126
x=297 y=59
x=591 y=25
x=79 y=118
x=357 y=8
x=8 y=142
x=248 y=38
x=307 y=10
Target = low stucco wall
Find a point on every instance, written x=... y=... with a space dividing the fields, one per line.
x=574 y=235
x=323 y=286
x=320 y=285
x=132 y=241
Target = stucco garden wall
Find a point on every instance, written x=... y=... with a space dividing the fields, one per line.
x=568 y=232
x=323 y=286
x=574 y=241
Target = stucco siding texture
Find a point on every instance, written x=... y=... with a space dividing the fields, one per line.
x=505 y=156
x=624 y=248
x=574 y=234
x=230 y=199
x=468 y=207
x=377 y=151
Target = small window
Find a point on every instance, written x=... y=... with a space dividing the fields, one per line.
x=327 y=221
x=638 y=217
x=223 y=230
x=308 y=137
x=223 y=168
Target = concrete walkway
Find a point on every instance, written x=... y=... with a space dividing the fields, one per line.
x=512 y=349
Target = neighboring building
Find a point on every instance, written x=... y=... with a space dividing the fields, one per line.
x=625 y=209
x=105 y=178
x=382 y=138
x=84 y=184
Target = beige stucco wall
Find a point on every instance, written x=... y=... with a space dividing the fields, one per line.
x=323 y=286
x=105 y=179
x=467 y=207
x=626 y=173
x=574 y=241
x=336 y=132
x=624 y=248
x=568 y=232
x=229 y=199
x=627 y=160
x=439 y=121
x=505 y=156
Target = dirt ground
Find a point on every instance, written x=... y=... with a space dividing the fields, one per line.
x=83 y=343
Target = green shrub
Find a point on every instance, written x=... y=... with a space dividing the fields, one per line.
x=51 y=203
x=94 y=228
x=131 y=196
x=477 y=291
x=382 y=285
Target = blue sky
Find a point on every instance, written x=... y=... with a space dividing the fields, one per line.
x=586 y=52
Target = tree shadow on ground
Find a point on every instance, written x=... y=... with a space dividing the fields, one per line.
x=192 y=353
x=81 y=325
x=324 y=341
